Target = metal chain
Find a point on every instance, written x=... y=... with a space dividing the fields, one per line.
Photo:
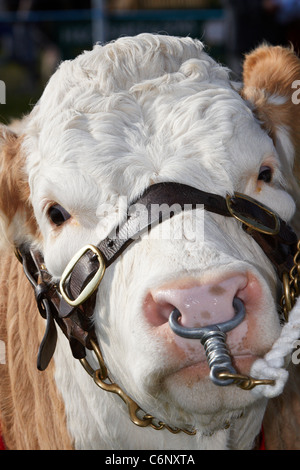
x=291 y=286
x=245 y=382
x=101 y=374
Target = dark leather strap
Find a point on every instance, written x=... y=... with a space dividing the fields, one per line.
x=149 y=210
x=157 y=201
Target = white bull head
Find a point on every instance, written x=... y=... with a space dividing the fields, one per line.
x=111 y=123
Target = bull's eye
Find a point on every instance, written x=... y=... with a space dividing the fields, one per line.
x=58 y=215
x=265 y=174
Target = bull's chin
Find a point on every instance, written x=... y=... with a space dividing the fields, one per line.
x=188 y=386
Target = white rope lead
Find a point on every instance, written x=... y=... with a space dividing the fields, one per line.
x=273 y=365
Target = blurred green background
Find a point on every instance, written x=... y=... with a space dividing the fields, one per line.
x=35 y=35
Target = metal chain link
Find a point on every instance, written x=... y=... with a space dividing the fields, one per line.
x=245 y=382
x=291 y=288
x=101 y=374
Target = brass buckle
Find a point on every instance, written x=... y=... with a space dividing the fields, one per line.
x=94 y=282
x=259 y=227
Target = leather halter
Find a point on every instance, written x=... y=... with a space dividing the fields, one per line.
x=278 y=242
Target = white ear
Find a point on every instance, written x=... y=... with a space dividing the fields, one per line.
x=17 y=222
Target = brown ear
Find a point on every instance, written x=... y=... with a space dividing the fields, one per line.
x=17 y=222
x=271 y=77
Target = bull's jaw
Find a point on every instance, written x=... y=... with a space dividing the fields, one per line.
x=103 y=422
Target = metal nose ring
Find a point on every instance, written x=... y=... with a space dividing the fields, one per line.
x=213 y=339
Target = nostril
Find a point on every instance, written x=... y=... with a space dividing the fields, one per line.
x=199 y=304
x=156 y=313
